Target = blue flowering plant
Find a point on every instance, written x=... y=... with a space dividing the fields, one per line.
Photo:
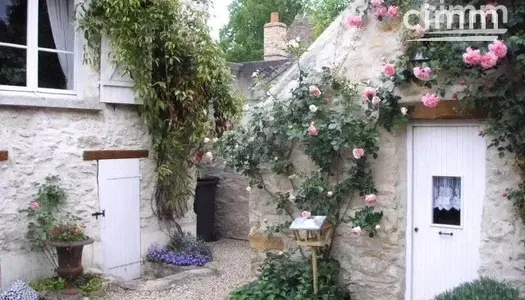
x=185 y=250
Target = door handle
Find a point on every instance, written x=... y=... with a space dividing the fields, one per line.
x=416 y=229
x=444 y=233
x=97 y=214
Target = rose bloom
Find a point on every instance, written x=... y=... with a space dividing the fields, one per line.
x=369 y=93
x=358 y=153
x=420 y=30
x=393 y=11
x=376 y=100
x=404 y=111
x=377 y=2
x=371 y=199
x=430 y=100
x=489 y=60
x=390 y=70
x=313 y=108
x=423 y=73
x=35 y=205
x=312 y=130
x=498 y=48
x=356 y=230
x=472 y=57
x=355 y=21
x=380 y=11
x=306 y=214
x=315 y=91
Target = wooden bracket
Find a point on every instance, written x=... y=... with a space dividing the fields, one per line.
x=4 y=155
x=446 y=110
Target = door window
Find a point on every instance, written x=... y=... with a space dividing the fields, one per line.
x=446 y=202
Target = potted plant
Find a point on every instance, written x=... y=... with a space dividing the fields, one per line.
x=69 y=240
x=204 y=203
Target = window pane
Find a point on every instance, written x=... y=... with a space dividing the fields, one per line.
x=13 y=66
x=55 y=70
x=13 y=21
x=55 y=24
x=446 y=197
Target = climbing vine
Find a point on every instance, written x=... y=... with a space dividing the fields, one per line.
x=179 y=73
x=488 y=76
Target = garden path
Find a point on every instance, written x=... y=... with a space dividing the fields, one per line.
x=231 y=260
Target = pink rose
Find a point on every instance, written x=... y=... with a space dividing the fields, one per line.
x=430 y=100
x=489 y=60
x=370 y=199
x=35 y=205
x=369 y=93
x=420 y=30
x=393 y=11
x=472 y=57
x=380 y=11
x=356 y=230
x=358 y=152
x=315 y=91
x=306 y=214
x=498 y=48
x=355 y=21
x=312 y=131
x=377 y=2
x=390 y=70
x=423 y=73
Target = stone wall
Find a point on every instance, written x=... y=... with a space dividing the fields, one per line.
x=374 y=268
x=44 y=141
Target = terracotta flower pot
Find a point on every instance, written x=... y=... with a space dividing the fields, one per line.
x=70 y=262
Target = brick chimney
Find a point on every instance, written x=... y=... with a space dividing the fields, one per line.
x=275 y=39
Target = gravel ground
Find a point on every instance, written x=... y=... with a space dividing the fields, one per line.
x=232 y=259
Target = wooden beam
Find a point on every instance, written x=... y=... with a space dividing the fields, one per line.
x=114 y=154
x=3 y=155
x=446 y=110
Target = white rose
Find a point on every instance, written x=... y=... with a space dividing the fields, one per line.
x=251 y=139
x=298 y=39
x=281 y=253
x=255 y=74
x=209 y=155
x=313 y=108
x=376 y=100
x=293 y=44
x=292 y=197
x=378 y=227
x=215 y=140
x=404 y=111
x=248 y=188
x=206 y=140
x=330 y=194
x=356 y=230
x=276 y=158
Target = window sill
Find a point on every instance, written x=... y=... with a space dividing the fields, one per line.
x=45 y=100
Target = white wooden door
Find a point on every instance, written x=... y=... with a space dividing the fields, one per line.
x=448 y=187
x=119 y=189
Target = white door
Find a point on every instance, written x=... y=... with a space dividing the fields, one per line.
x=448 y=187
x=119 y=189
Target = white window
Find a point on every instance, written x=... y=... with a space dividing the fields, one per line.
x=37 y=42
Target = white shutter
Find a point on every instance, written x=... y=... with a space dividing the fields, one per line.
x=114 y=87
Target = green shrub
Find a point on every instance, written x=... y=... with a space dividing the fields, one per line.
x=284 y=279
x=482 y=289
x=89 y=285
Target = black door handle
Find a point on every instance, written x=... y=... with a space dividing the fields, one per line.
x=444 y=233
x=96 y=214
x=416 y=229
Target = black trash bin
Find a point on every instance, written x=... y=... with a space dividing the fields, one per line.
x=204 y=207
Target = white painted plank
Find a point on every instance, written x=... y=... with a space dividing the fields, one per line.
x=119 y=194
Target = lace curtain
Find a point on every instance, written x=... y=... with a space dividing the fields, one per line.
x=447 y=193
x=61 y=18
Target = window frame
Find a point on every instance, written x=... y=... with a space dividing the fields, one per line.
x=31 y=90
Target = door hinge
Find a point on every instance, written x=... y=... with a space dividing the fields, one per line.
x=96 y=214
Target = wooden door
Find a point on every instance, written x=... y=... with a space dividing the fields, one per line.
x=448 y=187
x=119 y=196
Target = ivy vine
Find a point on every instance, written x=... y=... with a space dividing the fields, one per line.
x=179 y=73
